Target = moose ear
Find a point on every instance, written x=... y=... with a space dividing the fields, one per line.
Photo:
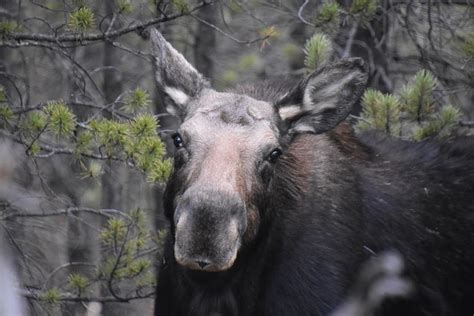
x=174 y=75
x=323 y=99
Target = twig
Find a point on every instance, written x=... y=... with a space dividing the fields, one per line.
x=117 y=262
x=347 y=49
x=67 y=297
x=69 y=211
x=63 y=266
x=65 y=151
x=217 y=29
x=469 y=124
x=300 y=13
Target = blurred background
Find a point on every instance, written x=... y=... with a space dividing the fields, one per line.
x=84 y=136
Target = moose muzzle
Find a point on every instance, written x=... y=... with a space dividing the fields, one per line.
x=209 y=227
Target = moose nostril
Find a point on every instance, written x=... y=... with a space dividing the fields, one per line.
x=202 y=264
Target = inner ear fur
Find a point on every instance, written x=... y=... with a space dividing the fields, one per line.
x=174 y=75
x=324 y=99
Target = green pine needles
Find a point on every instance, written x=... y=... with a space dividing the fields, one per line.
x=317 y=50
x=3 y=95
x=413 y=114
x=328 y=13
x=78 y=283
x=7 y=27
x=381 y=112
x=417 y=95
x=143 y=126
x=160 y=169
x=81 y=20
x=365 y=9
x=35 y=122
x=60 y=120
x=6 y=113
x=110 y=135
x=135 y=141
x=84 y=143
x=138 y=99
x=51 y=296
x=441 y=126
x=129 y=246
x=125 y=6
x=128 y=242
x=180 y=5
x=468 y=46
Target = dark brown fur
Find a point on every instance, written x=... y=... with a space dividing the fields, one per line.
x=334 y=201
x=273 y=208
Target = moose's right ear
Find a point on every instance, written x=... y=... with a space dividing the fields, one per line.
x=180 y=81
x=323 y=99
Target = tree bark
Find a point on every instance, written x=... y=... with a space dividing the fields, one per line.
x=205 y=43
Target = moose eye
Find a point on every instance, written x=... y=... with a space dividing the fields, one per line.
x=177 y=140
x=274 y=155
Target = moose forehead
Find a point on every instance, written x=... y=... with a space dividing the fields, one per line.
x=225 y=112
x=223 y=130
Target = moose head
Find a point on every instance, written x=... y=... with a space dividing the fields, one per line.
x=228 y=147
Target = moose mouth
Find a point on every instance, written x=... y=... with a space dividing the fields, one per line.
x=206 y=247
x=204 y=264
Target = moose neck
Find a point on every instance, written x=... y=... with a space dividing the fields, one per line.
x=235 y=291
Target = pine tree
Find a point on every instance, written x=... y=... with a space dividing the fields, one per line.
x=413 y=114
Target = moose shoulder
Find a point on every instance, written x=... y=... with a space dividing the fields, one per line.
x=274 y=204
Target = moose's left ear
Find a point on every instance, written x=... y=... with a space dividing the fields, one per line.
x=324 y=99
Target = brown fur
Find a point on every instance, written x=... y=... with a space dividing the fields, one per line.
x=296 y=166
x=343 y=136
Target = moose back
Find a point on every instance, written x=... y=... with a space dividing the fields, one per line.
x=273 y=203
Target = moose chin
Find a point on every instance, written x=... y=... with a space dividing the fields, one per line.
x=274 y=203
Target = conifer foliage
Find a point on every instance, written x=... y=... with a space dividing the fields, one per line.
x=128 y=246
x=83 y=135
x=413 y=114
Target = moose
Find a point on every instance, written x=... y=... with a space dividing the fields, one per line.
x=274 y=202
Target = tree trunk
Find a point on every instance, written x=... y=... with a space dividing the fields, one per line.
x=205 y=43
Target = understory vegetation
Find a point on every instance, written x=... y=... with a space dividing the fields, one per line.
x=84 y=134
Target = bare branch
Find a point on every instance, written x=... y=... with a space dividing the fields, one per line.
x=68 y=297
x=300 y=13
x=347 y=49
x=469 y=124
x=217 y=29
x=65 y=212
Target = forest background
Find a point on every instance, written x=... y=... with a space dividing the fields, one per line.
x=84 y=138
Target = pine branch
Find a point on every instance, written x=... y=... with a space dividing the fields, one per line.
x=469 y=124
x=219 y=30
x=66 y=212
x=51 y=151
x=92 y=38
x=68 y=297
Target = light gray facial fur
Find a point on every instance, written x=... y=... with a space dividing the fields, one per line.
x=227 y=137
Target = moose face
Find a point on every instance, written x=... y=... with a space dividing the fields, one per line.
x=227 y=147
x=223 y=157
